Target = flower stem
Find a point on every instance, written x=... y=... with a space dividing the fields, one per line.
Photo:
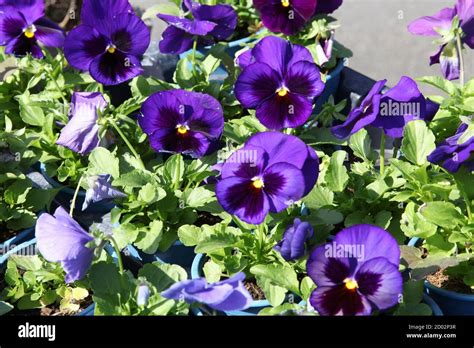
x=193 y=57
x=464 y=195
x=73 y=202
x=382 y=153
x=461 y=59
x=124 y=138
x=50 y=74
x=117 y=251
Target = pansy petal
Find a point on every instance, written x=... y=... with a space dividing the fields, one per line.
x=328 y=267
x=192 y=143
x=465 y=11
x=49 y=37
x=77 y=268
x=130 y=34
x=338 y=300
x=238 y=198
x=175 y=41
x=100 y=14
x=256 y=84
x=426 y=25
x=194 y=27
x=115 y=68
x=304 y=78
x=373 y=241
x=82 y=45
x=223 y=15
x=161 y=111
x=328 y=6
x=380 y=282
x=239 y=299
x=11 y=26
x=290 y=111
x=283 y=185
x=22 y=46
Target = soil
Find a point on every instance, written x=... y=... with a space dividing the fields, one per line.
x=441 y=280
x=6 y=235
x=254 y=290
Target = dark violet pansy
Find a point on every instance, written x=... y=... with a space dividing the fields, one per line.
x=185 y=122
x=440 y=25
x=217 y=22
x=356 y=273
x=327 y=6
x=293 y=244
x=81 y=134
x=285 y=16
x=23 y=27
x=99 y=189
x=226 y=295
x=61 y=239
x=272 y=171
x=280 y=80
x=390 y=111
x=109 y=42
x=453 y=153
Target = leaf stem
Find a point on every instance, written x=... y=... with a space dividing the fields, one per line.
x=124 y=138
x=382 y=153
x=117 y=251
x=461 y=59
x=74 y=198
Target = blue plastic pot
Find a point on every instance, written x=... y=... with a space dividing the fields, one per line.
x=66 y=194
x=31 y=243
x=19 y=238
x=255 y=307
x=177 y=254
x=450 y=302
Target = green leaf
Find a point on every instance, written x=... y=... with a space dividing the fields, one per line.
x=149 y=240
x=136 y=178
x=212 y=271
x=418 y=142
x=162 y=275
x=413 y=291
x=17 y=192
x=360 y=143
x=125 y=234
x=443 y=214
x=102 y=161
x=174 y=170
x=319 y=197
x=413 y=224
x=441 y=83
x=150 y=194
x=27 y=263
x=336 y=175
x=216 y=242
x=197 y=197
x=190 y=235
x=30 y=114
x=280 y=275
x=5 y=307
x=307 y=286
x=153 y=11
x=273 y=293
x=383 y=219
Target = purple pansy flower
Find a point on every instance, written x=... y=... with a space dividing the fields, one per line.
x=81 y=134
x=109 y=42
x=185 y=122
x=23 y=27
x=292 y=246
x=226 y=295
x=272 y=171
x=356 y=273
x=99 y=189
x=327 y=6
x=285 y=16
x=451 y=154
x=280 y=80
x=440 y=25
x=61 y=239
x=218 y=22
x=390 y=111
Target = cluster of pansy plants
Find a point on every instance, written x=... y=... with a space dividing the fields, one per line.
x=281 y=203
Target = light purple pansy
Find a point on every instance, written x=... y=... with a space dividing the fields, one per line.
x=271 y=172
x=61 y=239
x=390 y=111
x=293 y=244
x=440 y=25
x=280 y=80
x=23 y=27
x=226 y=295
x=356 y=273
x=100 y=189
x=185 y=122
x=217 y=22
x=452 y=154
x=109 y=42
x=81 y=134
x=285 y=16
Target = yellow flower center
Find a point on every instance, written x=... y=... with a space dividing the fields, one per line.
x=285 y=3
x=282 y=91
x=30 y=32
x=181 y=129
x=351 y=284
x=111 y=49
x=258 y=184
